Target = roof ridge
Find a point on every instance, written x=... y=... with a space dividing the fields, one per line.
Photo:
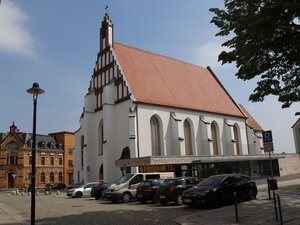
x=153 y=53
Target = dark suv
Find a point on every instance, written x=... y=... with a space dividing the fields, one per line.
x=218 y=189
x=171 y=189
x=147 y=190
x=97 y=191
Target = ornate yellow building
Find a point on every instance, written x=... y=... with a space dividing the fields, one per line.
x=16 y=158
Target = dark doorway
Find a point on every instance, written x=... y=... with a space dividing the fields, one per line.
x=101 y=172
x=12 y=180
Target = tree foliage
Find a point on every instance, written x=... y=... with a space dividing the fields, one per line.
x=265 y=43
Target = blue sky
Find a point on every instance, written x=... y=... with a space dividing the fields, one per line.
x=56 y=42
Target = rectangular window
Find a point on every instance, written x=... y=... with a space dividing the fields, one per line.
x=70 y=163
x=60 y=161
x=51 y=177
x=52 y=160
x=30 y=160
x=42 y=177
x=43 y=160
x=70 y=151
x=60 y=177
x=12 y=160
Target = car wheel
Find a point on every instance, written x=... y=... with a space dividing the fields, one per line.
x=78 y=194
x=126 y=197
x=251 y=194
x=179 y=199
x=213 y=202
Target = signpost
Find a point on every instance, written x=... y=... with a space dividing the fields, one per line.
x=268 y=147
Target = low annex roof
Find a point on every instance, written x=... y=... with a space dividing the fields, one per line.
x=160 y=80
x=251 y=122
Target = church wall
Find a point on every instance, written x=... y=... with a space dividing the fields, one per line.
x=201 y=131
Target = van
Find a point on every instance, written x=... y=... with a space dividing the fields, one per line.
x=126 y=187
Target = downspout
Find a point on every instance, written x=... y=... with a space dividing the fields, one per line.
x=137 y=130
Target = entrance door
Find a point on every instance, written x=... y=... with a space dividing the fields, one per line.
x=11 y=180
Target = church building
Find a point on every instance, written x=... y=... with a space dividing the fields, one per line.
x=144 y=112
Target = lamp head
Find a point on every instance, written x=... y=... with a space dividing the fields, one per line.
x=35 y=90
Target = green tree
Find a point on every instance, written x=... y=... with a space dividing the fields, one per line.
x=265 y=43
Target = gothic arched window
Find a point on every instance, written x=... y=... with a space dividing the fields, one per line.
x=188 y=138
x=237 y=138
x=156 y=136
x=215 y=138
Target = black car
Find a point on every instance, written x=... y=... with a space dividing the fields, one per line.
x=75 y=185
x=219 y=189
x=97 y=191
x=147 y=190
x=57 y=186
x=171 y=189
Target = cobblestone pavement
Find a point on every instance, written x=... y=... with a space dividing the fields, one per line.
x=60 y=209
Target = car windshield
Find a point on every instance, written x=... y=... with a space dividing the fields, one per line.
x=80 y=186
x=125 y=178
x=168 y=182
x=212 y=181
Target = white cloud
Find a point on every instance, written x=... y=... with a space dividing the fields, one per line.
x=207 y=55
x=14 y=38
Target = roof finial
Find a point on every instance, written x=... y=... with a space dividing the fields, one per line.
x=106 y=9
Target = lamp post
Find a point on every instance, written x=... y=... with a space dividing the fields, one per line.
x=35 y=91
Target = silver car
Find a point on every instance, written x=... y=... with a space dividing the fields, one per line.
x=82 y=190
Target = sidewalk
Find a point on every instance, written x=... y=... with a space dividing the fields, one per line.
x=9 y=216
x=259 y=211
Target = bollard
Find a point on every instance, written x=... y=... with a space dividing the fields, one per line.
x=275 y=205
x=57 y=193
x=236 y=208
x=13 y=192
x=279 y=209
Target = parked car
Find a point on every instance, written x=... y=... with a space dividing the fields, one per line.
x=171 y=189
x=75 y=185
x=97 y=191
x=147 y=190
x=82 y=190
x=57 y=186
x=125 y=188
x=218 y=189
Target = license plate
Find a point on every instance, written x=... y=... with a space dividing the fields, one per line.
x=162 y=196
x=187 y=200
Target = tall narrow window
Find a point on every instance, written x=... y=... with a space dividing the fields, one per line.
x=51 y=177
x=82 y=146
x=100 y=138
x=237 y=139
x=215 y=137
x=52 y=160
x=42 y=177
x=188 y=138
x=60 y=161
x=60 y=176
x=43 y=160
x=155 y=136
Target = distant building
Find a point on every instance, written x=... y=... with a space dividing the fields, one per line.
x=296 y=132
x=51 y=155
x=145 y=112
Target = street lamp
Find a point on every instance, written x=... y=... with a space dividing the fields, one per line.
x=35 y=91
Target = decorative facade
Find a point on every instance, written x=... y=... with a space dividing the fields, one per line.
x=147 y=112
x=16 y=159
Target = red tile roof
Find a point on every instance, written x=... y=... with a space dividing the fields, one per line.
x=251 y=122
x=160 y=80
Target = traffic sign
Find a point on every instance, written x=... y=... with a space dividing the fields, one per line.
x=268 y=147
x=267 y=136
